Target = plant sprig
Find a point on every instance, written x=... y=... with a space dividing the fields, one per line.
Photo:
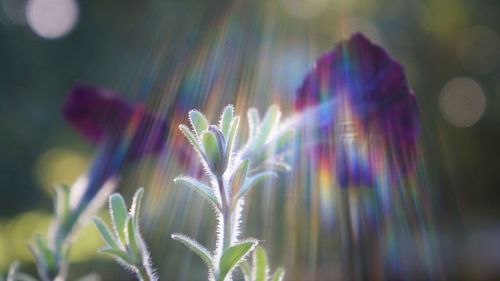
x=125 y=243
x=233 y=173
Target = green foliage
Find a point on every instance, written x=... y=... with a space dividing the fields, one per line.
x=232 y=256
x=126 y=244
x=203 y=189
x=233 y=173
x=197 y=248
x=259 y=270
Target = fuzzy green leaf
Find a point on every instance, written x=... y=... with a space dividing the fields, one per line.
x=196 y=247
x=132 y=243
x=198 y=122
x=283 y=140
x=269 y=123
x=226 y=119
x=253 y=122
x=278 y=275
x=260 y=268
x=239 y=176
x=193 y=139
x=13 y=270
x=106 y=233
x=116 y=253
x=253 y=181
x=231 y=139
x=119 y=214
x=247 y=272
x=40 y=261
x=135 y=209
x=46 y=253
x=203 y=189
x=62 y=202
x=211 y=149
x=232 y=256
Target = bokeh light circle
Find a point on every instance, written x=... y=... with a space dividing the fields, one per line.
x=478 y=49
x=59 y=166
x=462 y=102
x=304 y=9
x=52 y=19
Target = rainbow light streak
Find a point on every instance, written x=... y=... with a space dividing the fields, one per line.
x=350 y=146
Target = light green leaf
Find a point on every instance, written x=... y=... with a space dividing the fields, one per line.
x=272 y=166
x=231 y=139
x=40 y=261
x=260 y=268
x=232 y=256
x=269 y=123
x=279 y=274
x=203 y=189
x=135 y=209
x=20 y=276
x=193 y=140
x=44 y=250
x=211 y=148
x=106 y=233
x=253 y=122
x=283 y=140
x=253 y=181
x=116 y=253
x=132 y=244
x=62 y=202
x=225 y=120
x=198 y=122
x=13 y=270
x=119 y=214
x=239 y=176
x=196 y=247
x=245 y=269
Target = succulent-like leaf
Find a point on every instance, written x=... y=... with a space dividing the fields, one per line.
x=269 y=123
x=211 y=148
x=253 y=122
x=119 y=215
x=117 y=254
x=196 y=247
x=278 y=275
x=246 y=270
x=198 y=122
x=253 y=181
x=193 y=139
x=203 y=189
x=232 y=256
x=40 y=262
x=135 y=209
x=13 y=269
x=226 y=119
x=239 y=176
x=231 y=139
x=132 y=243
x=106 y=233
x=283 y=140
x=260 y=268
x=62 y=202
x=43 y=249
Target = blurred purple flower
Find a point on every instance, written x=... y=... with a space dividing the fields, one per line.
x=124 y=131
x=372 y=114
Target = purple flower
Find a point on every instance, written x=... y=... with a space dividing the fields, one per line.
x=124 y=131
x=372 y=114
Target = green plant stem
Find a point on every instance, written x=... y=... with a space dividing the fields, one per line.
x=226 y=215
x=143 y=274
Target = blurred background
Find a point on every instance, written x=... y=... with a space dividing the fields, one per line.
x=177 y=55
